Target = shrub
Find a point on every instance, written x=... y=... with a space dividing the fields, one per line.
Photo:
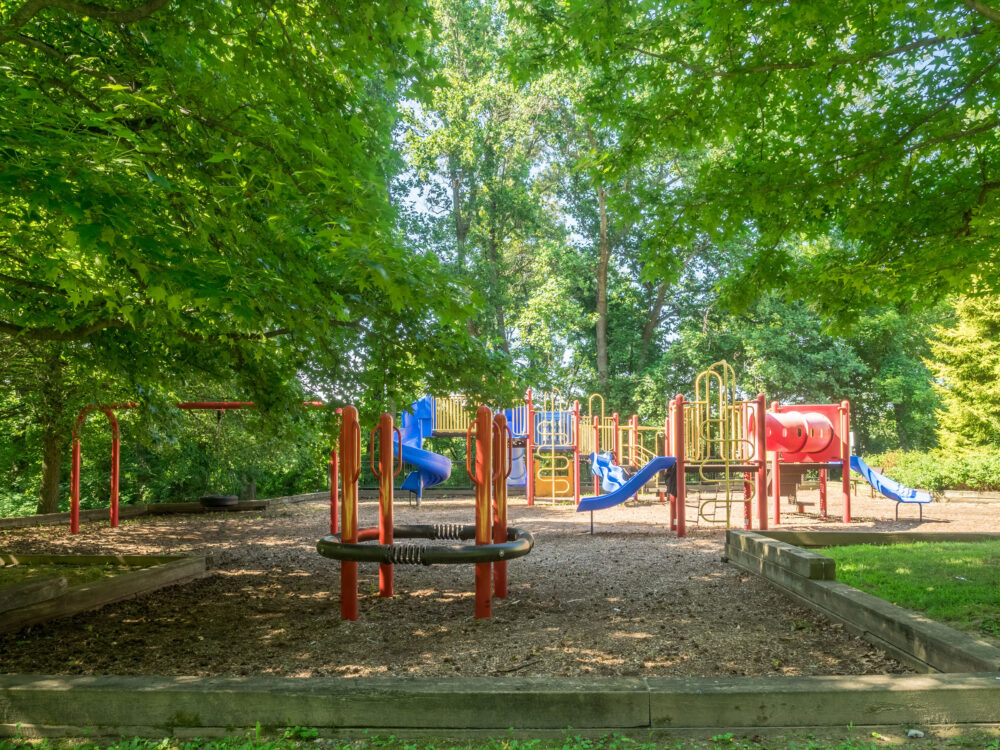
x=942 y=470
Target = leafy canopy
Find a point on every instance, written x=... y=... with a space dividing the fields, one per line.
x=874 y=124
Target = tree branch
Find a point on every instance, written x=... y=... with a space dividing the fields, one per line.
x=983 y=9
x=805 y=64
x=116 y=15
x=47 y=333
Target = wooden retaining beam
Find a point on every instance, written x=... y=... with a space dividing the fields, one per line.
x=810 y=578
x=98 y=706
x=159 y=572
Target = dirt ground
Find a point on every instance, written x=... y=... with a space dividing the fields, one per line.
x=630 y=600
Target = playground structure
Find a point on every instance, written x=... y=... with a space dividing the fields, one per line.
x=724 y=442
x=729 y=445
x=551 y=435
x=495 y=542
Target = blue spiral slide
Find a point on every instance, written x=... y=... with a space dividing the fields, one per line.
x=611 y=476
x=429 y=468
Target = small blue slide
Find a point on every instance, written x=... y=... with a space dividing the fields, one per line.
x=888 y=487
x=626 y=490
x=431 y=468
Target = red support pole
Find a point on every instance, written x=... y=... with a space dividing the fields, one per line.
x=776 y=476
x=350 y=470
x=529 y=450
x=681 y=499
x=502 y=464
x=597 y=449
x=576 y=452
x=334 y=490
x=384 y=474
x=822 y=493
x=115 y=451
x=483 y=479
x=760 y=409
x=845 y=452
x=74 y=488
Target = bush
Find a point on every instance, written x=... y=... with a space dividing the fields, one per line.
x=941 y=470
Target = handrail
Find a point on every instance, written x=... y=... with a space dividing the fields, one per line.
x=468 y=453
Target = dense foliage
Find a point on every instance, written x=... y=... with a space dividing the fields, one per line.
x=966 y=364
x=368 y=201
x=942 y=469
x=856 y=142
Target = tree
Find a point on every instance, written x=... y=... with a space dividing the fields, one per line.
x=874 y=124
x=965 y=359
x=204 y=186
x=472 y=147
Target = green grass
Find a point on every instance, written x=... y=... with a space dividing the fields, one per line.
x=952 y=582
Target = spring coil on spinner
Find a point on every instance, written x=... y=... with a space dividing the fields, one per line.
x=447 y=531
x=405 y=554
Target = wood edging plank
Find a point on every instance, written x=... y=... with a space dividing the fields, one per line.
x=186 y=706
x=97 y=594
x=920 y=640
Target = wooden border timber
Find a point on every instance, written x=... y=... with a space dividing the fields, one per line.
x=809 y=577
x=100 y=706
x=814 y=539
x=151 y=509
x=161 y=571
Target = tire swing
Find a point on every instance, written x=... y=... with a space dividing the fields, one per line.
x=495 y=542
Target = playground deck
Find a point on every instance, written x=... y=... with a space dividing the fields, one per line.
x=629 y=601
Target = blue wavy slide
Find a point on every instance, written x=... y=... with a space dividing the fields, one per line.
x=627 y=489
x=430 y=468
x=888 y=487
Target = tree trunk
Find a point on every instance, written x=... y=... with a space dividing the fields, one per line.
x=53 y=442
x=461 y=226
x=652 y=321
x=494 y=282
x=604 y=257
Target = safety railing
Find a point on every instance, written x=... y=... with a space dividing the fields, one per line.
x=452 y=414
x=716 y=427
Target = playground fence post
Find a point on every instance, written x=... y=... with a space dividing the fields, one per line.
x=384 y=473
x=334 y=489
x=680 y=497
x=597 y=449
x=350 y=471
x=529 y=449
x=776 y=477
x=822 y=493
x=760 y=423
x=845 y=451
x=483 y=480
x=502 y=464
x=115 y=453
x=74 y=488
x=576 y=452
